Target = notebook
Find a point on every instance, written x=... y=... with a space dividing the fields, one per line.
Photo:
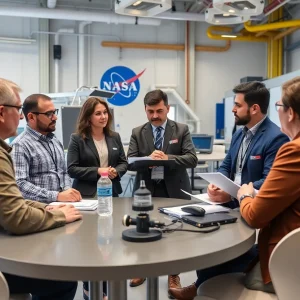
x=85 y=204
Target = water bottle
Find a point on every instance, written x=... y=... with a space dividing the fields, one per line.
x=105 y=235
x=104 y=193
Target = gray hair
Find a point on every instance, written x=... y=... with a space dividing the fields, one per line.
x=8 y=90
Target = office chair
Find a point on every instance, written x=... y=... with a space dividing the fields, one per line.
x=130 y=183
x=284 y=268
x=4 y=291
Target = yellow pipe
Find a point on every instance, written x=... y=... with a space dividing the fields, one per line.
x=271 y=26
x=285 y=33
x=280 y=54
x=245 y=38
x=176 y=47
x=269 y=60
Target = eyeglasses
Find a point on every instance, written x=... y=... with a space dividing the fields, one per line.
x=278 y=105
x=18 y=107
x=48 y=114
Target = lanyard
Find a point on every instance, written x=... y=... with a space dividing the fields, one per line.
x=49 y=150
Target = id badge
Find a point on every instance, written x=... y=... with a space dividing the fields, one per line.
x=238 y=178
x=157 y=173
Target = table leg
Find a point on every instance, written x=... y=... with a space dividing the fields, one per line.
x=96 y=290
x=192 y=178
x=117 y=290
x=152 y=288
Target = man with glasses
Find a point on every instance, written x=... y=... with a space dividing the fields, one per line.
x=252 y=152
x=39 y=156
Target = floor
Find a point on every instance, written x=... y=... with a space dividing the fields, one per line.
x=139 y=293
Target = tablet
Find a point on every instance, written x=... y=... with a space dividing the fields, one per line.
x=209 y=220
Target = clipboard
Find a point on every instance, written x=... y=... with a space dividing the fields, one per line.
x=222 y=182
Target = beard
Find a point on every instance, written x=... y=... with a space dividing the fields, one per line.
x=46 y=128
x=243 y=120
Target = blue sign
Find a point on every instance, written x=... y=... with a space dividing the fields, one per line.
x=123 y=82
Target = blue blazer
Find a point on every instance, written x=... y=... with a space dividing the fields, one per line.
x=260 y=155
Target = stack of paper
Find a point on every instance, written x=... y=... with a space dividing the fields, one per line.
x=209 y=209
x=85 y=204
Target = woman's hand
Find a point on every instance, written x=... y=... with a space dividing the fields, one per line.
x=112 y=173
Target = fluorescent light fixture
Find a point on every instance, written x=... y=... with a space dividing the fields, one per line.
x=215 y=16
x=240 y=7
x=228 y=36
x=142 y=8
x=9 y=40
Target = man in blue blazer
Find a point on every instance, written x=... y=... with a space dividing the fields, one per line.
x=252 y=152
x=254 y=147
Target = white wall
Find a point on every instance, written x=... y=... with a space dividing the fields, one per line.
x=219 y=72
x=215 y=72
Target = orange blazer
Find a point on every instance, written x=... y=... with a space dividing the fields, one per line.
x=276 y=208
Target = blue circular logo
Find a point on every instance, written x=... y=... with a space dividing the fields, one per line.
x=123 y=82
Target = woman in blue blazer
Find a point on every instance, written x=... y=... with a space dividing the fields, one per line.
x=92 y=149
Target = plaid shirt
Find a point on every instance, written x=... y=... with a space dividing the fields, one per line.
x=40 y=166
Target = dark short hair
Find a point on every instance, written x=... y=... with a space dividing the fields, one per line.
x=87 y=109
x=31 y=103
x=154 y=97
x=291 y=95
x=255 y=92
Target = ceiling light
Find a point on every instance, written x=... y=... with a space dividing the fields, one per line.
x=143 y=8
x=137 y=3
x=228 y=36
x=215 y=16
x=240 y=7
x=9 y=40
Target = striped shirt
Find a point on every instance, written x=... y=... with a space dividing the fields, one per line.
x=40 y=166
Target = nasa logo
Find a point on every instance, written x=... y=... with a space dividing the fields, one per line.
x=124 y=82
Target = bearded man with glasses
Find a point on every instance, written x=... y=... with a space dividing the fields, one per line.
x=38 y=155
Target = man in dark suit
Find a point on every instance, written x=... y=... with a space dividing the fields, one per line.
x=252 y=152
x=163 y=139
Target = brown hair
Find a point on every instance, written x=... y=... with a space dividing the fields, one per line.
x=87 y=109
x=7 y=91
x=154 y=97
x=291 y=95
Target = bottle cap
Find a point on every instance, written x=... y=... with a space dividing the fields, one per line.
x=104 y=174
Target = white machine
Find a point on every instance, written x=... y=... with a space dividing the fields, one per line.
x=142 y=8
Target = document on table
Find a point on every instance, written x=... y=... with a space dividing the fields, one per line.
x=85 y=204
x=222 y=182
x=131 y=160
x=177 y=212
x=202 y=197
